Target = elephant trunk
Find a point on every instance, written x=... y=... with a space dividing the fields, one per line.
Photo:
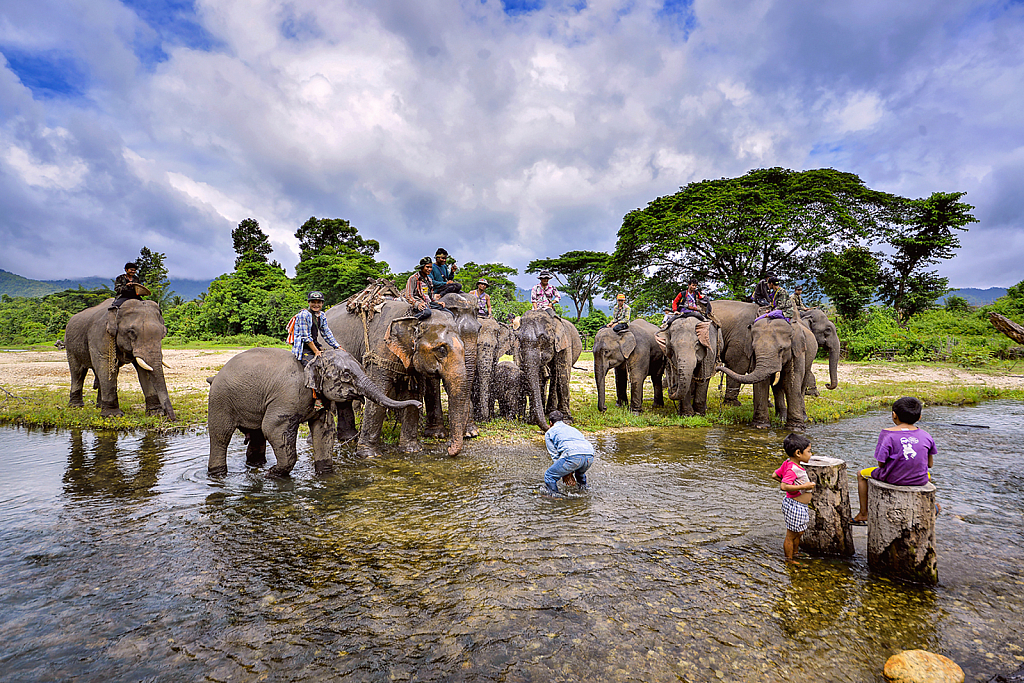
x=762 y=371
x=154 y=385
x=532 y=370
x=833 y=361
x=470 y=344
x=682 y=370
x=485 y=373
x=600 y=375
x=367 y=388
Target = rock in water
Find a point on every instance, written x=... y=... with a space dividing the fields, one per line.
x=920 y=666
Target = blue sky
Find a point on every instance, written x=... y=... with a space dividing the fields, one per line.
x=502 y=130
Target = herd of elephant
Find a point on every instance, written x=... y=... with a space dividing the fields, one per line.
x=400 y=363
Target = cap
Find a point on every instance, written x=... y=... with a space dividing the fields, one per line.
x=315 y=296
x=426 y=261
x=483 y=282
x=544 y=275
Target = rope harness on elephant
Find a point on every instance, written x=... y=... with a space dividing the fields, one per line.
x=366 y=304
x=111 y=356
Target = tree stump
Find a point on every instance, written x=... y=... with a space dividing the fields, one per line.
x=829 y=531
x=901 y=531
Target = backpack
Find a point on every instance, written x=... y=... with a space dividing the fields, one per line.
x=291 y=329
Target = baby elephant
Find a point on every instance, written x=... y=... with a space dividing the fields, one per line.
x=267 y=394
x=508 y=388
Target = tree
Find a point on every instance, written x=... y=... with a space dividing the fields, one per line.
x=732 y=231
x=578 y=273
x=317 y=233
x=153 y=274
x=251 y=243
x=924 y=237
x=258 y=298
x=849 y=279
x=337 y=276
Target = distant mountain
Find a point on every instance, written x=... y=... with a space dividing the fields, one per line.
x=18 y=286
x=978 y=297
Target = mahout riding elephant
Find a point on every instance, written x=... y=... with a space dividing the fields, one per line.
x=509 y=390
x=547 y=348
x=103 y=342
x=403 y=353
x=635 y=355
x=267 y=394
x=494 y=341
x=825 y=335
x=780 y=351
x=691 y=359
x=463 y=308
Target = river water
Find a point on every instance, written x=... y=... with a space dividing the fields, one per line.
x=121 y=561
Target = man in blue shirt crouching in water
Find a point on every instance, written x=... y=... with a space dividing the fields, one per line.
x=570 y=450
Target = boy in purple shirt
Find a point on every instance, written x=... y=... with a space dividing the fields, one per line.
x=904 y=454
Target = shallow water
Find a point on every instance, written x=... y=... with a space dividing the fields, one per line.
x=122 y=561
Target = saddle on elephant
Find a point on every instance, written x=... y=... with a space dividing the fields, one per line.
x=371 y=298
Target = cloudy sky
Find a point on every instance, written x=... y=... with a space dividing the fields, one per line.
x=504 y=131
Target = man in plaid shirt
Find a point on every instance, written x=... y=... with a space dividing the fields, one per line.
x=310 y=323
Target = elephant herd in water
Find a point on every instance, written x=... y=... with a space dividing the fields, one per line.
x=400 y=363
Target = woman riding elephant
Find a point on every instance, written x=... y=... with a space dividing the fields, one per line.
x=547 y=348
x=399 y=354
x=780 y=351
x=267 y=394
x=634 y=355
x=105 y=340
x=691 y=345
x=824 y=331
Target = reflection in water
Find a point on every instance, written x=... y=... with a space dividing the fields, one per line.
x=431 y=568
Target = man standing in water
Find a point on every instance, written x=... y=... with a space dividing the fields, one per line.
x=572 y=453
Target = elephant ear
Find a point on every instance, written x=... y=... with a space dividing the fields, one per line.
x=628 y=345
x=661 y=338
x=504 y=341
x=401 y=339
x=314 y=373
x=562 y=341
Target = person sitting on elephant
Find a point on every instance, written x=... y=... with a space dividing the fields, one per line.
x=763 y=290
x=544 y=296
x=572 y=453
x=620 y=314
x=310 y=324
x=125 y=285
x=419 y=291
x=689 y=298
x=778 y=299
x=483 y=299
x=441 y=275
x=796 y=301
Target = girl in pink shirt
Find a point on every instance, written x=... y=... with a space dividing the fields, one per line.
x=794 y=481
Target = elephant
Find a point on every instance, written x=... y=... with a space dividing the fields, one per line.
x=96 y=339
x=266 y=393
x=547 y=348
x=509 y=390
x=495 y=341
x=691 y=361
x=403 y=353
x=464 y=309
x=825 y=335
x=634 y=354
x=780 y=349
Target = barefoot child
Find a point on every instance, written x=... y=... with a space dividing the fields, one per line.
x=798 y=487
x=904 y=454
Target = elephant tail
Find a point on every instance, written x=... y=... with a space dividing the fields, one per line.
x=209 y=380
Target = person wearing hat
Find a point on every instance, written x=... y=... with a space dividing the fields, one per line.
x=310 y=325
x=442 y=275
x=483 y=299
x=419 y=290
x=620 y=314
x=797 y=299
x=778 y=299
x=126 y=285
x=572 y=453
x=763 y=290
x=544 y=296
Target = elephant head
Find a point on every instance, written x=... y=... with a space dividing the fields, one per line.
x=434 y=348
x=825 y=334
x=140 y=331
x=691 y=354
x=774 y=342
x=336 y=376
x=542 y=341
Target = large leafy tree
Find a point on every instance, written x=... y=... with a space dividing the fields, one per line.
x=849 y=279
x=318 y=233
x=579 y=275
x=258 y=298
x=153 y=274
x=251 y=243
x=732 y=231
x=927 y=235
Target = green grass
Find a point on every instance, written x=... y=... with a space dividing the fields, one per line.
x=49 y=408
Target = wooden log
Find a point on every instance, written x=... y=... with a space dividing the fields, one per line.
x=901 y=531
x=829 y=531
x=1007 y=327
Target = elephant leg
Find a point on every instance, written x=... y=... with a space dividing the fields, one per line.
x=796 y=415
x=408 y=438
x=220 y=436
x=621 y=379
x=732 y=392
x=656 y=379
x=779 y=394
x=434 y=428
x=369 y=442
x=700 y=397
x=106 y=397
x=812 y=385
x=282 y=431
x=636 y=389
x=321 y=428
x=78 y=373
x=761 y=420
x=256 y=448
x=346 y=422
